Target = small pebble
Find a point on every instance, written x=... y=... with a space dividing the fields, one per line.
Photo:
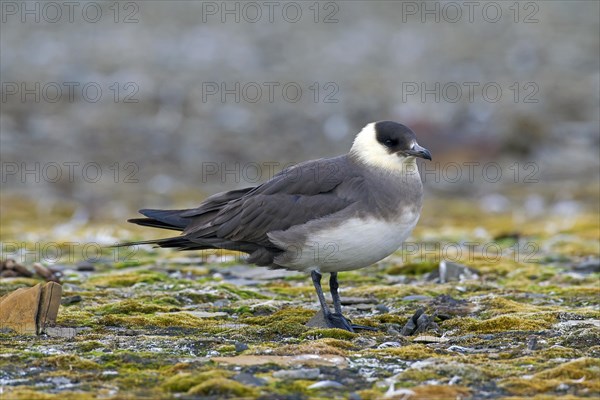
x=71 y=300
x=382 y=308
x=532 y=343
x=302 y=373
x=240 y=346
x=386 y=345
x=429 y=339
x=85 y=267
x=45 y=273
x=325 y=385
x=249 y=379
x=455 y=379
x=416 y=297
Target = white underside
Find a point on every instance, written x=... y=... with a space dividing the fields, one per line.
x=357 y=243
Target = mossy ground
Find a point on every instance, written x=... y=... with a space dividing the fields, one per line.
x=150 y=326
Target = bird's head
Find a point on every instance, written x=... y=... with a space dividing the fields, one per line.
x=388 y=145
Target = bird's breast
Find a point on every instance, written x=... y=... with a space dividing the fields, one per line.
x=352 y=244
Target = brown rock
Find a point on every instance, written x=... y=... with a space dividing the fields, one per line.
x=49 y=303
x=30 y=310
x=10 y=268
x=22 y=271
x=45 y=272
x=7 y=264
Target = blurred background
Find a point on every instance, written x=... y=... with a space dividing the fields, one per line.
x=108 y=107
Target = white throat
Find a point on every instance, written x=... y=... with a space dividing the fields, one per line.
x=368 y=150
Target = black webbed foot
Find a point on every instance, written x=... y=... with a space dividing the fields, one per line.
x=337 y=320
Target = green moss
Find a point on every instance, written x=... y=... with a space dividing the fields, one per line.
x=24 y=393
x=587 y=368
x=126 y=279
x=222 y=387
x=497 y=324
x=414 y=268
x=69 y=362
x=308 y=347
x=529 y=387
x=410 y=352
x=240 y=293
x=179 y=319
x=558 y=352
x=580 y=374
x=413 y=376
x=182 y=382
x=131 y=306
x=440 y=392
x=89 y=345
x=165 y=301
x=285 y=322
x=129 y=263
x=74 y=316
x=228 y=348
x=294 y=387
x=501 y=306
x=395 y=291
x=288 y=292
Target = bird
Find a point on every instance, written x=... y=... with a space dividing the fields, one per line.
x=321 y=216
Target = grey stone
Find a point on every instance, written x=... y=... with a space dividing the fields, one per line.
x=249 y=379
x=239 y=347
x=416 y=297
x=71 y=300
x=57 y=331
x=418 y=323
x=382 y=308
x=242 y=282
x=452 y=272
x=325 y=385
x=85 y=267
x=588 y=266
x=302 y=373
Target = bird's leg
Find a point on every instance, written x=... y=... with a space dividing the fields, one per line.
x=333 y=287
x=337 y=304
x=333 y=320
x=316 y=278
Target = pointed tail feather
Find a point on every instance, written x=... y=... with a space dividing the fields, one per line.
x=165 y=219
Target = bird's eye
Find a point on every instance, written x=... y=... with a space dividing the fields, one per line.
x=389 y=142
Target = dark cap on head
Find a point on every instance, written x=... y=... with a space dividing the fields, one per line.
x=398 y=138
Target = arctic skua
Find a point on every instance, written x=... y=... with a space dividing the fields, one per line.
x=326 y=215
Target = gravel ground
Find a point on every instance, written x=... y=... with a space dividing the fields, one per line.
x=158 y=324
